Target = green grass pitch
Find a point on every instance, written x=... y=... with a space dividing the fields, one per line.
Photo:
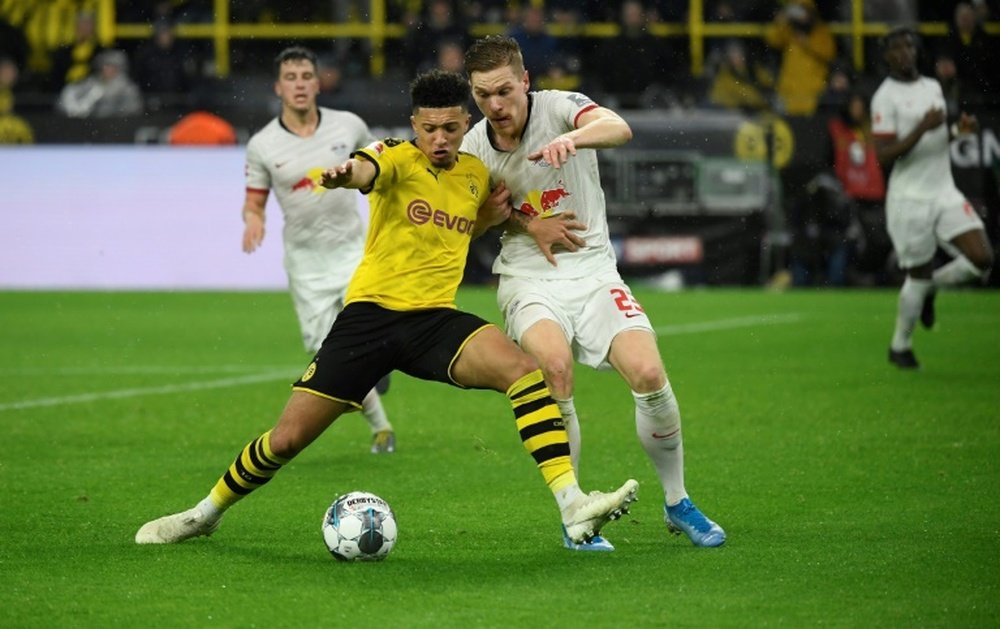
x=853 y=494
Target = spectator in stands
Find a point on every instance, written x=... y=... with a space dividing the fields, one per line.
x=839 y=86
x=13 y=128
x=855 y=164
x=451 y=57
x=854 y=159
x=539 y=48
x=562 y=74
x=73 y=63
x=13 y=43
x=974 y=55
x=632 y=61
x=807 y=50
x=439 y=24
x=107 y=93
x=489 y=11
x=983 y=11
x=951 y=87
x=738 y=84
x=824 y=232
x=333 y=94
x=162 y=69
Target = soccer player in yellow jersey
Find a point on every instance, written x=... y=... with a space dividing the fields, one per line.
x=425 y=200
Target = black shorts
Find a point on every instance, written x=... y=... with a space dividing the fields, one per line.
x=368 y=341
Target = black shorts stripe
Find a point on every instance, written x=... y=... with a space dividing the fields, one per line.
x=520 y=410
x=550 y=452
x=532 y=389
x=235 y=487
x=543 y=426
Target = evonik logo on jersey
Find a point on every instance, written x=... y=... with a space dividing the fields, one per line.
x=420 y=212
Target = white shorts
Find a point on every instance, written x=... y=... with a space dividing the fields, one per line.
x=318 y=293
x=591 y=311
x=917 y=227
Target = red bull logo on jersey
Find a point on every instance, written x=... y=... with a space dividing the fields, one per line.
x=310 y=182
x=420 y=212
x=544 y=202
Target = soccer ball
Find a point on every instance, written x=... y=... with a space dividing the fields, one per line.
x=359 y=526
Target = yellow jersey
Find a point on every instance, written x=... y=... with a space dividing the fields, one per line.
x=420 y=227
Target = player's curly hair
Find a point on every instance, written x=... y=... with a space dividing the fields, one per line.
x=492 y=52
x=438 y=89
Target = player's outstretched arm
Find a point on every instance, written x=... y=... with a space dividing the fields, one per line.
x=598 y=128
x=354 y=173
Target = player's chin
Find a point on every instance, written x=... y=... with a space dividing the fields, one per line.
x=442 y=160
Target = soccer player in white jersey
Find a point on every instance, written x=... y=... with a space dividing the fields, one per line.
x=560 y=291
x=924 y=208
x=324 y=235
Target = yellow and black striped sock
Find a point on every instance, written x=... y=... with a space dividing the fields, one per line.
x=542 y=429
x=253 y=467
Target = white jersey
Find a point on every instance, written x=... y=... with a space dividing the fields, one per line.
x=317 y=220
x=538 y=189
x=897 y=108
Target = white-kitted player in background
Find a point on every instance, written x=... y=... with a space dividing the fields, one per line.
x=924 y=208
x=324 y=235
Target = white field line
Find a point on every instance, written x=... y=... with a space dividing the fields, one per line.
x=287 y=373
x=729 y=324
x=221 y=383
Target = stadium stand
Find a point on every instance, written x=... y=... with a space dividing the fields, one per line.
x=702 y=139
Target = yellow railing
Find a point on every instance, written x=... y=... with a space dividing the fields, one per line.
x=377 y=31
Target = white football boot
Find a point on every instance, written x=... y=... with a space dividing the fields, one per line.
x=585 y=517
x=178 y=527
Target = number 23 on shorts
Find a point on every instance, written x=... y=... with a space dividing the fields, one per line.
x=626 y=303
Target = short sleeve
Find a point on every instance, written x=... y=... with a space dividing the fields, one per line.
x=257 y=176
x=883 y=114
x=569 y=106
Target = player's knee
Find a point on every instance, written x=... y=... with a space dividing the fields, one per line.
x=284 y=443
x=647 y=377
x=559 y=374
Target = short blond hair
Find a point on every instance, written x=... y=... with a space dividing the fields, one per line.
x=492 y=52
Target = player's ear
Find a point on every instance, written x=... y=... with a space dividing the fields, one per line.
x=413 y=124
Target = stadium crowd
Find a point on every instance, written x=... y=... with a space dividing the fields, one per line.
x=797 y=68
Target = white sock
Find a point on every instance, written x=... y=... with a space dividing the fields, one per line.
x=208 y=509
x=911 y=301
x=958 y=271
x=568 y=412
x=371 y=408
x=566 y=496
x=658 y=424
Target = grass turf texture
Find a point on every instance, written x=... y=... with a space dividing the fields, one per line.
x=853 y=494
